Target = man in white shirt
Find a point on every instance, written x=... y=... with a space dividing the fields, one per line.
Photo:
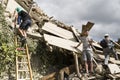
x=87 y=52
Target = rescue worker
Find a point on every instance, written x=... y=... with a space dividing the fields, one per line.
x=87 y=52
x=24 y=24
x=108 y=48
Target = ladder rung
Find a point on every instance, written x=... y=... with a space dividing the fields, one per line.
x=22 y=62
x=23 y=70
x=22 y=55
x=20 y=49
x=25 y=79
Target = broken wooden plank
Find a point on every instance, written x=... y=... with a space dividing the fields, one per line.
x=87 y=27
x=54 y=29
x=83 y=29
x=113 y=68
x=76 y=34
x=12 y=4
x=114 y=76
x=91 y=77
x=77 y=65
x=118 y=75
x=96 y=44
x=63 y=43
x=68 y=70
x=34 y=34
x=49 y=77
x=112 y=60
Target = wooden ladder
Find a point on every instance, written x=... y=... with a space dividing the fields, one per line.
x=23 y=66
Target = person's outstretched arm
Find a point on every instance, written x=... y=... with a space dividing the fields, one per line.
x=78 y=45
x=116 y=43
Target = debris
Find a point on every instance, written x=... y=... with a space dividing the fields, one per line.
x=56 y=33
x=114 y=68
x=62 y=43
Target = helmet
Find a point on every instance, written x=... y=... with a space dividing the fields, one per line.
x=106 y=35
x=18 y=9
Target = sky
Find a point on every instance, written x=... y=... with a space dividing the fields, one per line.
x=104 y=13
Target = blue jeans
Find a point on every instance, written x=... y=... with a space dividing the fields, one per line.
x=107 y=52
x=19 y=20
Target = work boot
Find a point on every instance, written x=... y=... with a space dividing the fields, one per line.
x=23 y=41
x=105 y=66
x=92 y=73
x=20 y=49
x=23 y=38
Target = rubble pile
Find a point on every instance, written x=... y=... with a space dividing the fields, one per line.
x=56 y=33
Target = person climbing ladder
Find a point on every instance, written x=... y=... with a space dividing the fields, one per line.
x=25 y=23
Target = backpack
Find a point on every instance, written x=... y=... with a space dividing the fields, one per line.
x=103 y=43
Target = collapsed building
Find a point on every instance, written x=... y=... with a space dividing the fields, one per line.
x=56 y=33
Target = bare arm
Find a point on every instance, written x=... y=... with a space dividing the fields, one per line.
x=78 y=45
x=116 y=44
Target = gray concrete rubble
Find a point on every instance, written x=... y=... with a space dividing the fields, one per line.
x=56 y=33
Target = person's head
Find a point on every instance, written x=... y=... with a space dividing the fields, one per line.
x=106 y=36
x=18 y=9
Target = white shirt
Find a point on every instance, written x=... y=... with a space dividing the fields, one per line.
x=85 y=40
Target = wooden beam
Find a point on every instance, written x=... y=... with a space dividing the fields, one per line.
x=58 y=31
x=68 y=70
x=87 y=27
x=77 y=65
x=76 y=34
x=112 y=60
x=63 y=43
x=26 y=4
x=83 y=29
x=49 y=77
x=11 y=5
x=113 y=68
x=96 y=45
x=34 y=35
